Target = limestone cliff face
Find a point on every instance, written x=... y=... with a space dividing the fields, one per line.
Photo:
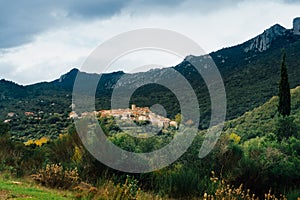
x=263 y=41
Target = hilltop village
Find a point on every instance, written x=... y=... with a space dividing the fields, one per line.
x=134 y=114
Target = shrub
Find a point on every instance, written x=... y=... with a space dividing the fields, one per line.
x=127 y=191
x=38 y=142
x=286 y=127
x=225 y=191
x=56 y=176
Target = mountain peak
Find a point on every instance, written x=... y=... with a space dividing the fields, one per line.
x=276 y=27
x=263 y=41
x=74 y=70
x=72 y=74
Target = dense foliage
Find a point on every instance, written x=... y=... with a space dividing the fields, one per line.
x=248 y=153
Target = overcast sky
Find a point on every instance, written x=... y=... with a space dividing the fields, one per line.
x=40 y=40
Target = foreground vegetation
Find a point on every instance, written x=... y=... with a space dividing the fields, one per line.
x=23 y=189
x=26 y=189
x=251 y=153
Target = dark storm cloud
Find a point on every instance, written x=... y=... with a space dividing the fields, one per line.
x=21 y=20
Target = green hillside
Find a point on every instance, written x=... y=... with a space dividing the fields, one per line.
x=262 y=120
x=265 y=156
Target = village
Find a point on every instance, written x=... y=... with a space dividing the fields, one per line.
x=133 y=114
x=140 y=114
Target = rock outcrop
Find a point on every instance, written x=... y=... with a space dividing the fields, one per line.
x=296 y=26
x=263 y=41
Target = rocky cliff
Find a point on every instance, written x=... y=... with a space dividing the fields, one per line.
x=263 y=41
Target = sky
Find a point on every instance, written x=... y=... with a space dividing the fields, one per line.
x=41 y=40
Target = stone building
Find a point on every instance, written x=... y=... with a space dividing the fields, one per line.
x=139 y=114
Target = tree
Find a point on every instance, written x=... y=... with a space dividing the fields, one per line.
x=284 y=106
x=285 y=123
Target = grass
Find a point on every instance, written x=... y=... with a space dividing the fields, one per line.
x=26 y=189
x=10 y=189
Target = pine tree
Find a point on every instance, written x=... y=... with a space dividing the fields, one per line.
x=284 y=106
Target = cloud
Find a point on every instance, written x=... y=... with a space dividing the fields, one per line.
x=91 y=9
x=41 y=41
x=19 y=21
x=22 y=20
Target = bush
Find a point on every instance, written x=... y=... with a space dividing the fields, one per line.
x=127 y=191
x=225 y=191
x=285 y=127
x=56 y=176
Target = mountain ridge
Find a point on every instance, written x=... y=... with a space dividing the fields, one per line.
x=259 y=43
x=250 y=79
